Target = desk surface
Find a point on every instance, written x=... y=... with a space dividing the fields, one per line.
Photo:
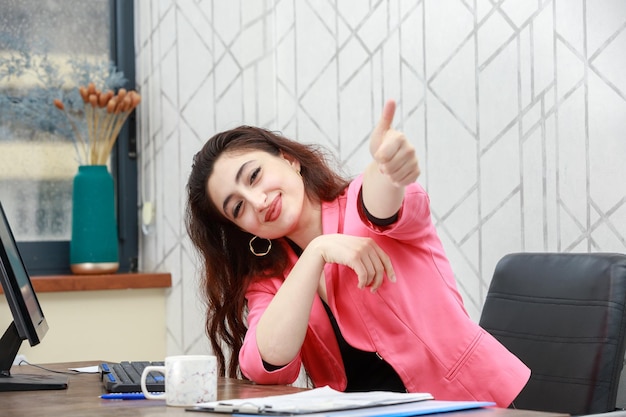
x=81 y=399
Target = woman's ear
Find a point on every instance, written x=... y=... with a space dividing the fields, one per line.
x=295 y=164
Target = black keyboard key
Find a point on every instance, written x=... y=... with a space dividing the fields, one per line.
x=139 y=367
x=132 y=373
x=120 y=373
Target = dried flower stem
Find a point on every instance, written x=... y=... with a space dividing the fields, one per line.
x=105 y=114
x=59 y=105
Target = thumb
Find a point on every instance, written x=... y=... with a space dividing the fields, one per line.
x=384 y=124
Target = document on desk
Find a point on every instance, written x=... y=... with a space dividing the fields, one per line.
x=325 y=401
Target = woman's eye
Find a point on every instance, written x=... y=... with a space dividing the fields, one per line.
x=254 y=175
x=237 y=209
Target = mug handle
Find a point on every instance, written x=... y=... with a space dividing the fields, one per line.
x=144 y=375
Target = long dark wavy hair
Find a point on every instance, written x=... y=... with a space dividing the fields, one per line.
x=227 y=263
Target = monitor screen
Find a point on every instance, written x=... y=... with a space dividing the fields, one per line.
x=27 y=314
x=29 y=322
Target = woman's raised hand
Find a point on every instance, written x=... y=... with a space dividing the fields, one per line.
x=362 y=254
x=392 y=151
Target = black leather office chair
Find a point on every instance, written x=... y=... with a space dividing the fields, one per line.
x=564 y=315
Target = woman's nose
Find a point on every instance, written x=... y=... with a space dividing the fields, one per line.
x=258 y=200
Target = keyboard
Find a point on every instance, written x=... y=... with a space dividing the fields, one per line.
x=126 y=377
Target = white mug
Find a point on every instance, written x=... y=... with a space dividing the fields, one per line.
x=189 y=379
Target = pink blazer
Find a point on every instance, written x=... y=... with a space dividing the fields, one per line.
x=418 y=324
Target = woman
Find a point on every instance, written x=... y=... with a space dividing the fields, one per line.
x=347 y=278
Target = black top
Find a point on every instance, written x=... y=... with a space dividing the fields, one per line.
x=365 y=371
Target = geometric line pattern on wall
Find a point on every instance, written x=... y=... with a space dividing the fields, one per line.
x=516 y=109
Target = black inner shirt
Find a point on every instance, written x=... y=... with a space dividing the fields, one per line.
x=365 y=371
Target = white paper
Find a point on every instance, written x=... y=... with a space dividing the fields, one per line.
x=86 y=369
x=311 y=401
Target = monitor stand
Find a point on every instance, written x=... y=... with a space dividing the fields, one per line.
x=9 y=346
x=27 y=382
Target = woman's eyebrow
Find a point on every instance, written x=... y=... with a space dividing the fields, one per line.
x=241 y=169
x=237 y=179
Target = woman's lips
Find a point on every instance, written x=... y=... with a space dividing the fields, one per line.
x=273 y=210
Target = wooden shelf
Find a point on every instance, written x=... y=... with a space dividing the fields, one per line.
x=60 y=283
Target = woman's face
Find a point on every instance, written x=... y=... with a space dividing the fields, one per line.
x=261 y=193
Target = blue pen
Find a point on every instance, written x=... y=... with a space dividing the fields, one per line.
x=124 y=396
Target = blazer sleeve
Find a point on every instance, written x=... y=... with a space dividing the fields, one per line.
x=414 y=218
x=258 y=296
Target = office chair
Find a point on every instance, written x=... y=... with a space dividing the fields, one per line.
x=564 y=316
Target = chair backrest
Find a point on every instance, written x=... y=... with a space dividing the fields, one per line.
x=564 y=316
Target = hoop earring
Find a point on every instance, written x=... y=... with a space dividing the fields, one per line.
x=255 y=253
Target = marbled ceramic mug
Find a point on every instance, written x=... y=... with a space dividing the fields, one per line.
x=189 y=380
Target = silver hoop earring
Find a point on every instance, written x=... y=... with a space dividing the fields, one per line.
x=255 y=253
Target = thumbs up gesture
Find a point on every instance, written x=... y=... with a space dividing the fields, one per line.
x=391 y=150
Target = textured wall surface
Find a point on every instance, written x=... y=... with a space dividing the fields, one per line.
x=517 y=109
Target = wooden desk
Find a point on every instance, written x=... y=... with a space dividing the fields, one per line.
x=81 y=399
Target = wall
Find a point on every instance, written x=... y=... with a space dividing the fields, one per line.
x=517 y=110
x=84 y=327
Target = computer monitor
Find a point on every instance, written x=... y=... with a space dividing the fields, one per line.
x=29 y=322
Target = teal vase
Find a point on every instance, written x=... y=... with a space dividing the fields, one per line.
x=94 y=244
